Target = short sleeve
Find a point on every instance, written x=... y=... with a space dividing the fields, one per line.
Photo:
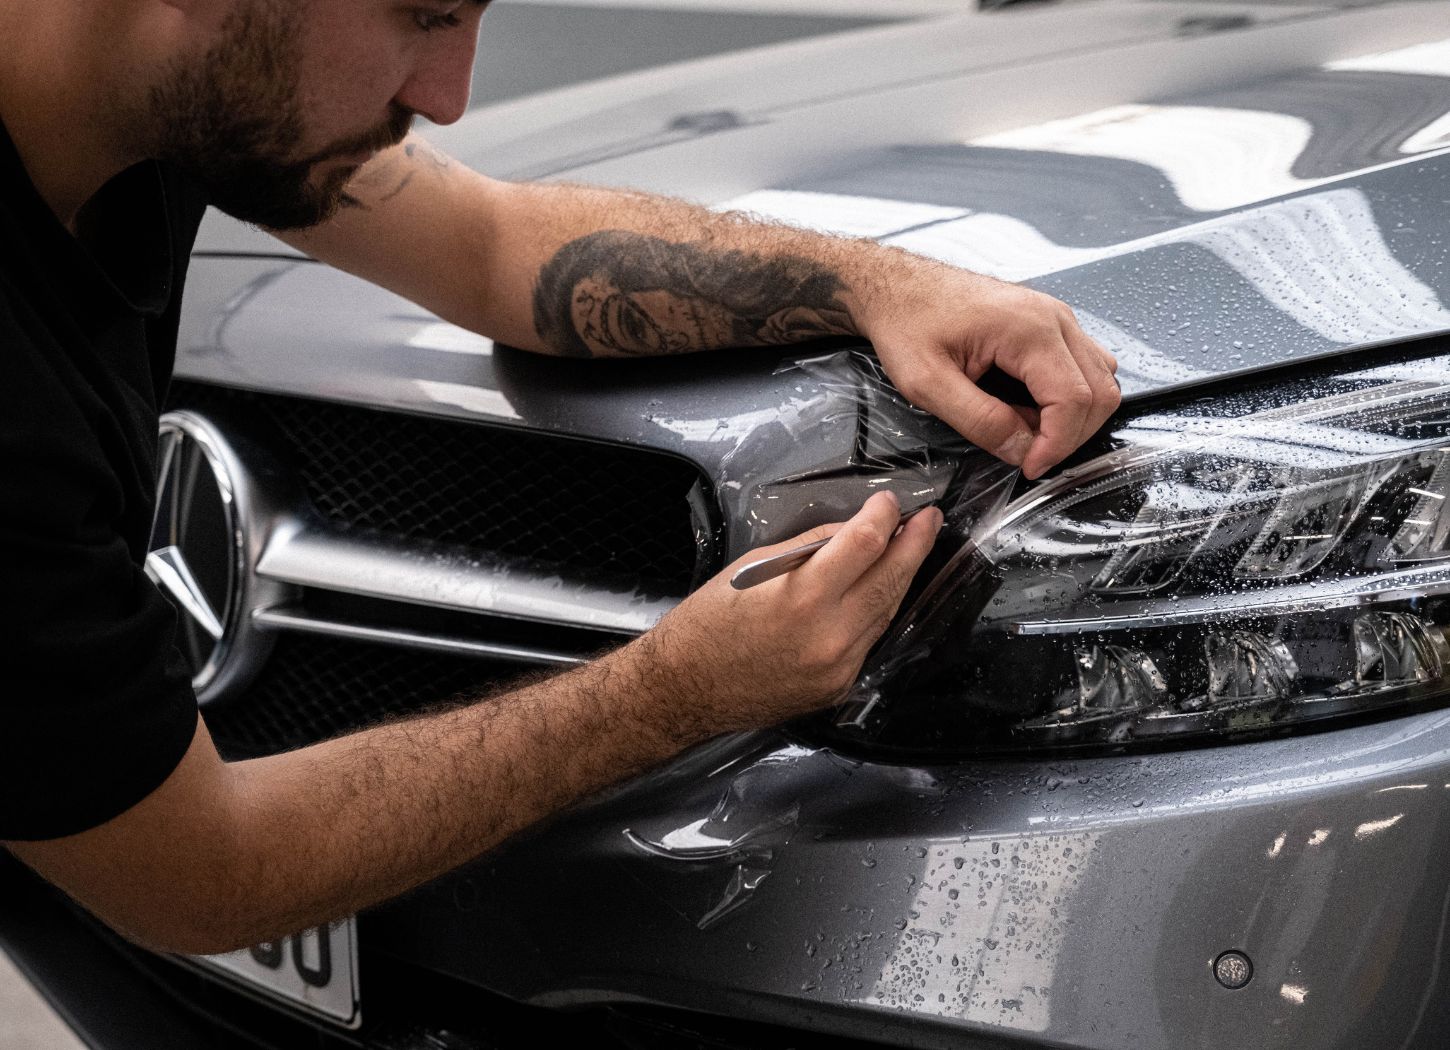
x=96 y=707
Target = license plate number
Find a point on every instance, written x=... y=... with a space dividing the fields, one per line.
x=315 y=971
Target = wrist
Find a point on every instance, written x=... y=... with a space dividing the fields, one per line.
x=880 y=281
x=658 y=694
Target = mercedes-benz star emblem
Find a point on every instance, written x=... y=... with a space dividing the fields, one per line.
x=197 y=545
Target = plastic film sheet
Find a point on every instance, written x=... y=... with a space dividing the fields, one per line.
x=845 y=434
x=982 y=491
x=710 y=866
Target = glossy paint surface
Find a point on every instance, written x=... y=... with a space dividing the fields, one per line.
x=1066 y=903
x=1215 y=188
x=1196 y=234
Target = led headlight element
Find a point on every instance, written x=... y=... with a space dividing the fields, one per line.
x=1394 y=648
x=1279 y=555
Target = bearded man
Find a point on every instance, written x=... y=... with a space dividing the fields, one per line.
x=122 y=120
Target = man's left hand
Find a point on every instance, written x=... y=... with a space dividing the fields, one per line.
x=938 y=330
x=585 y=272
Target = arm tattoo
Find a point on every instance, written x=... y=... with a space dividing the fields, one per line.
x=399 y=188
x=421 y=151
x=395 y=173
x=616 y=292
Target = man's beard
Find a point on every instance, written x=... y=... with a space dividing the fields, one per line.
x=233 y=122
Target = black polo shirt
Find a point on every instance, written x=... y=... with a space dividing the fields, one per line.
x=96 y=707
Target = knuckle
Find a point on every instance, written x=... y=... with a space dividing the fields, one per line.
x=879 y=596
x=878 y=626
x=799 y=605
x=1044 y=303
x=824 y=659
x=915 y=386
x=842 y=681
x=1000 y=420
x=866 y=540
x=1046 y=329
x=820 y=532
x=1079 y=394
x=887 y=591
x=839 y=673
x=814 y=661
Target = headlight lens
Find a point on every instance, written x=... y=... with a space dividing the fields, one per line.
x=1241 y=563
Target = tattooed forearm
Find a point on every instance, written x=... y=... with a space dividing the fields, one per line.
x=417 y=149
x=617 y=292
x=390 y=174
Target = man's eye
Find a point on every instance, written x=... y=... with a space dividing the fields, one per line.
x=430 y=20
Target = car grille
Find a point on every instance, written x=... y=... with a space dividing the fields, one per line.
x=601 y=510
x=547 y=507
x=314 y=688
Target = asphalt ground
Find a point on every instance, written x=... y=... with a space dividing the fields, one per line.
x=533 y=45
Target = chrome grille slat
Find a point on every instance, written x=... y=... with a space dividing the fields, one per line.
x=296 y=620
x=307 y=556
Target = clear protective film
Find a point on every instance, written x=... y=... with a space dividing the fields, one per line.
x=715 y=862
x=846 y=434
x=1275 y=555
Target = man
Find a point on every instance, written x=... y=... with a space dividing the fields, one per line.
x=121 y=118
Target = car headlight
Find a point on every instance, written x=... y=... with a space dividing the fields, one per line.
x=1246 y=562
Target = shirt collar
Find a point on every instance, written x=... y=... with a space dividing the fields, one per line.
x=121 y=262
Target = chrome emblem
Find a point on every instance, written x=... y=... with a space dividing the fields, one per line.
x=198 y=549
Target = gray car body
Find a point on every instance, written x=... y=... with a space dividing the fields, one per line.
x=1067 y=902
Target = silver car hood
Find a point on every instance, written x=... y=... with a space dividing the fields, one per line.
x=1214 y=188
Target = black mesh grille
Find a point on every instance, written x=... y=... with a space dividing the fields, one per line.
x=314 y=688
x=599 y=510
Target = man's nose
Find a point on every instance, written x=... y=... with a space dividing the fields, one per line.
x=440 y=86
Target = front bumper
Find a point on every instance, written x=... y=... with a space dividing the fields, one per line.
x=1072 y=902
x=1067 y=903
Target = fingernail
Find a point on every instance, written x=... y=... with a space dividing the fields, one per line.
x=1014 y=449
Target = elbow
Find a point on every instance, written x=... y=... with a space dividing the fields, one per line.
x=199 y=936
x=184 y=870
x=187 y=922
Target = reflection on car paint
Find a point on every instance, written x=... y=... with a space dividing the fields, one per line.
x=740 y=836
x=1252 y=152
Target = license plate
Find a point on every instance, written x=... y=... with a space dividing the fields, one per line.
x=315 y=971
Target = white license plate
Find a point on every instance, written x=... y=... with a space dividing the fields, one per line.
x=315 y=970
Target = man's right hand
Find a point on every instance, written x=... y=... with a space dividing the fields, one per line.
x=726 y=659
x=223 y=855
